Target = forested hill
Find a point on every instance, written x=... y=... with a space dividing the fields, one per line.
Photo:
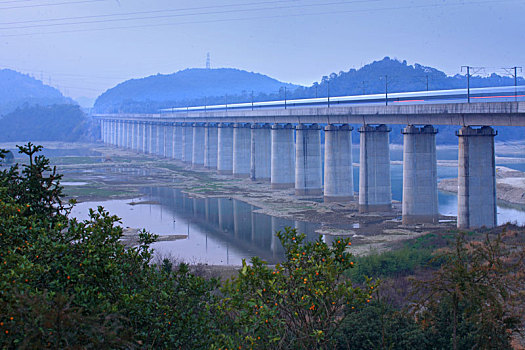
x=401 y=77
x=225 y=86
x=65 y=122
x=186 y=86
x=17 y=89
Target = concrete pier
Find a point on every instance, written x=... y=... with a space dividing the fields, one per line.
x=241 y=150
x=158 y=144
x=283 y=164
x=308 y=162
x=375 y=193
x=338 y=169
x=160 y=140
x=110 y=132
x=210 y=145
x=105 y=129
x=151 y=138
x=118 y=137
x=261 y=152
x=168 y=141
x=177 y=141
x=120 y=133
x=187 y=143
x=140 y=136
x=420 y=195
x=138 y=130
x=198 y=143
x=114 y=133
x=476 y=178
x=133 y=144
x=225 y=149
x=129 y=144
x=163 y=138
x=124 y=138
x=144 y=137
x=107 y=132
x=126 y=134
x=131 y=134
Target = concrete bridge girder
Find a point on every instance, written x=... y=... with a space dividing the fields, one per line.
x=261 y=144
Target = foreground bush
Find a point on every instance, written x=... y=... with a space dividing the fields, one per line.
x=65 y=283
x=476 y=298
x=70 y=284
x=297 y=304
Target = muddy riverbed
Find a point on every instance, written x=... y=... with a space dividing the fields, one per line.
x=95 y=173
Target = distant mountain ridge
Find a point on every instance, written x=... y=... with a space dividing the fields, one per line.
x=17 y=90
x=192 y=87
x=187 y=85
x=400 y=76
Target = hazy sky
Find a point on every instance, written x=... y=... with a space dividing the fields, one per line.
x=88 y=46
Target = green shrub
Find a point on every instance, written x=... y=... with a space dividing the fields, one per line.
x=297 y=304
x=65 y=283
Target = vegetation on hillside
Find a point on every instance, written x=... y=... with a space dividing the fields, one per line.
x=200 y=87
x=70 y=284
x=20 y=90
x=186 y=86
x=401 y=77
x=64 y=122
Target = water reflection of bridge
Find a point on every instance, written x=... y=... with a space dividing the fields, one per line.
x=232 y=221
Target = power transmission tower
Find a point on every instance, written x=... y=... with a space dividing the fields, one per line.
x=208 y=61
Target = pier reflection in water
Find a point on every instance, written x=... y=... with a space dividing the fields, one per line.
x=220 y=230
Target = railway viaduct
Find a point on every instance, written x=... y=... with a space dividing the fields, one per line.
x=283 y=146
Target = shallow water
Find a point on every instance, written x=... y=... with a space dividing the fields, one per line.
x=223 y=231
x=219 y=231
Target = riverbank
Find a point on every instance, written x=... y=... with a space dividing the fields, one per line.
x=109 y=173
x=100 y=173
x=510 y=186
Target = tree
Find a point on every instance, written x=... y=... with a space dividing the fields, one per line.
x=477 y=291
x=65 y=283
x=297 y=304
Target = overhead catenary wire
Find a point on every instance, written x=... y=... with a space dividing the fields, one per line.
x=18 y=1
x=72 y=75
x=155 y=11
x=177 y=15
x=51 y=4
x=290 y=15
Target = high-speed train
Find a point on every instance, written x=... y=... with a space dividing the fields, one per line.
x=488 y=94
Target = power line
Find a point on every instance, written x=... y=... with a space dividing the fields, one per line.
x=52 y=4
x=16 y=1
x=256 y=17
x=150 y=12
x=186 y=14
x=35 y=71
